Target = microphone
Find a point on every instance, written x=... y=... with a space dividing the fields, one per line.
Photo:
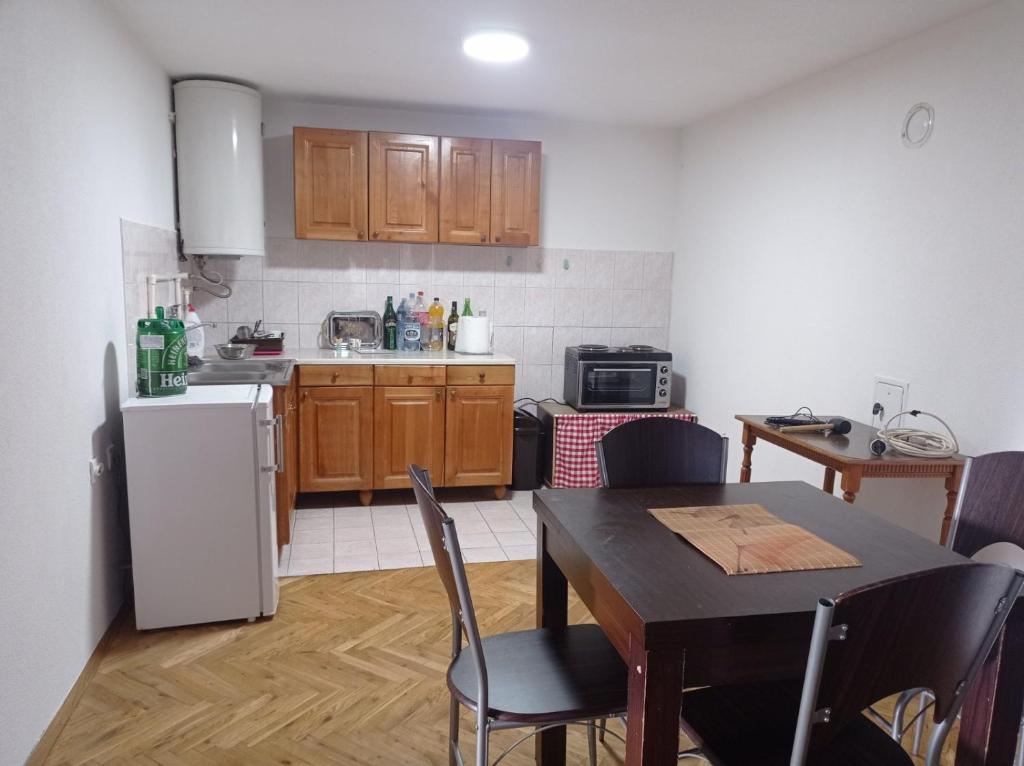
x=837 y=427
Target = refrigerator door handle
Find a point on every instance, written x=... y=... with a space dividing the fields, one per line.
x=278 y=426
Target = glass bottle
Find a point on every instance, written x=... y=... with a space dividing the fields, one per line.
x=390 y=326
x=466 y=310
x=453 y=325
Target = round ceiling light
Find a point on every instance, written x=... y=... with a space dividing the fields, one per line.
x=495 y=47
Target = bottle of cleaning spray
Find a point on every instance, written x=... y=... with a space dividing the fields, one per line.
x=196 y=335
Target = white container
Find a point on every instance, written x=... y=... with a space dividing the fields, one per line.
x=195 y=336
x=203 y=529
x=474 y=335
x=219 y=136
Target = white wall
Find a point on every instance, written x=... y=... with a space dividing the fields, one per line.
x=813 y=250
x=84 y=140
x=604 y=187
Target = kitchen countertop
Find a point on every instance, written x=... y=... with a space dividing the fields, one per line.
x=324 y=356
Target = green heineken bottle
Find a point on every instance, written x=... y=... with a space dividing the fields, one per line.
x=161 y=356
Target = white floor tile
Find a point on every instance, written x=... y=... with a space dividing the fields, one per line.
x=385 y=511
x=312 y=513
x=399 y=560
x=522 y=499
x=480 y=555
x=458 y=510
x=346 y=534
x=477 y=540
x=312 y=551
x=428 y=558
x=393 y=531
x=355 y=548
x=320 y=535
x=314 y=522
x=389 y=547
x=505 y=539
x=352 y=517
x=423 y=543
x=494 y=505
x=510 y=523
x=520 y=552
x=356 y=564
x=310 y=567
x=471 y=526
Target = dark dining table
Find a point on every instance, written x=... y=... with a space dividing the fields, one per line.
x=677 y=619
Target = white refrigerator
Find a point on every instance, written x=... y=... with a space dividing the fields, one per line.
x=201 y=472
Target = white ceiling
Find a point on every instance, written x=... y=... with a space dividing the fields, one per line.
x=659 y=62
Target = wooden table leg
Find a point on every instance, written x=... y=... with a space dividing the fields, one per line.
x=655 y=694
x=850 y=484
x=749 y=439
x=829 y=485
x=992 y=712
x=552 y=612
x=952 y=491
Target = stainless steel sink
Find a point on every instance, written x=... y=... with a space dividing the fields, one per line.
x=273 y=372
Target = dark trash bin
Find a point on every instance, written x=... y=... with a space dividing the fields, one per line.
x=526 y=452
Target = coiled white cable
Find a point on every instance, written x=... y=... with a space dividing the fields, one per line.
x=915 y=442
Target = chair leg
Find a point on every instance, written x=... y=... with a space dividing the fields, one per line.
x=919 y=724
x=592 y=742
x=1020 y=746
x=453 y=731
x=601 y=727
x=483 y=733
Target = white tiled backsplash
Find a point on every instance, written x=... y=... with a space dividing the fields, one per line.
x=541 y=300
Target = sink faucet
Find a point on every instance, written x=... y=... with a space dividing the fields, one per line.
x=197 y=325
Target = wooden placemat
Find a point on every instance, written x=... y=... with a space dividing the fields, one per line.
x=748 y=539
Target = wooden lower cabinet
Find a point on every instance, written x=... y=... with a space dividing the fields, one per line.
x=287 y=483
x=408 y=428
x=335 y=438
x=478 y=436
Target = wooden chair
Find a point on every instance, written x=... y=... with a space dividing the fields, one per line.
x=532 y=678
x=988 y=525
x=657 y=452
x=930 y=630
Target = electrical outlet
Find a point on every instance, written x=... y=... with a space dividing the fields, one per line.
x=890 y=398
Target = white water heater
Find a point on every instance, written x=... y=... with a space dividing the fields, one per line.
x=219 y=138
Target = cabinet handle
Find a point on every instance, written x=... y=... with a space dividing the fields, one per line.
x=483 y=237
x=305 y=394
x=360 y=234
x=376 y=234
x=278 y=425
x=334 y=377
x=482 y=376
x=437 y=394
x=497 y=238
x=451 y=394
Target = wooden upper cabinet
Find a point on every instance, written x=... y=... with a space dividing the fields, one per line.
x=409 y=428
x=403 y=187
x=465 y=190
x=478 y=436
x=335 y=438
x=515 y=192
x=330 y=184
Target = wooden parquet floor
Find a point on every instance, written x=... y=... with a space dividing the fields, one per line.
x=350 y=671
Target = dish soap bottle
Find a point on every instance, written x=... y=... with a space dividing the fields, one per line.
x=196 y=335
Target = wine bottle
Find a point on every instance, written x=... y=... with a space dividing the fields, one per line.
x=390 y=326
x=453 y=325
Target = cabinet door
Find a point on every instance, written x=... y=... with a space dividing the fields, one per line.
x=335 y=438
x=465 y=190
x=330 y=184
x=409 y=428
x=478 y=436
x=515 y=192
x=403 y=187
x=286 y=483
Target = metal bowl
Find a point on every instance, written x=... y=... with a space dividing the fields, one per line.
x=234 y=350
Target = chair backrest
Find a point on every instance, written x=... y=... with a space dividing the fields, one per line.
x=444 y=544
x=990 y=506
x=932 y=630
x=659 y=451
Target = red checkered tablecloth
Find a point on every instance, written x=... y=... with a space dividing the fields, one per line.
x=575 y=457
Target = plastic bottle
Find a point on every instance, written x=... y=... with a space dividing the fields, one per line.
x=412 y=329
x=196 y=336
x=390 y=326
x=436 y=318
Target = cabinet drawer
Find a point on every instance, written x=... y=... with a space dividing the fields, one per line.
x=481 y=375
x=336 y=375
x=408 y=375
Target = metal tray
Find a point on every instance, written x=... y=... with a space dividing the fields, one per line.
x=342 y=327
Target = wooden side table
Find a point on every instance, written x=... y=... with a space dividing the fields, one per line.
x=850 y=456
